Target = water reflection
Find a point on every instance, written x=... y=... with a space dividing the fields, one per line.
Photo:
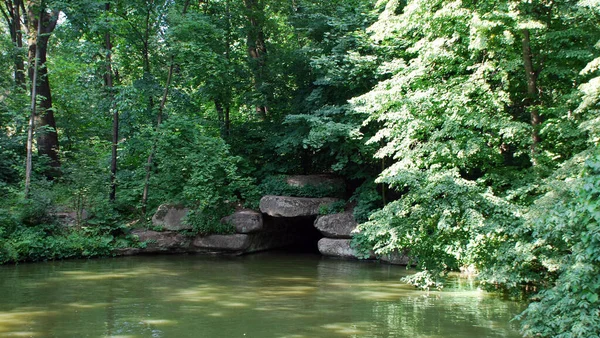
x=266 y=295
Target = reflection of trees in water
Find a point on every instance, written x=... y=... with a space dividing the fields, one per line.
x=445 y=315
x=400 y=310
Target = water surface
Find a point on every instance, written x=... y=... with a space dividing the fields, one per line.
x=263 y=295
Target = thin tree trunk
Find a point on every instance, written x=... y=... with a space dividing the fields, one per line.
x=158 y=123
x=29 y=163
x=257 y=51
x=531 y=75
x=221 y=117
x=115 y=128
x=227 y=119
x=227 y=123
x=223 y=111
x=19 y=62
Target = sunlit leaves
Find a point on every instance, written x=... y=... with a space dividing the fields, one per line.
x=567 y=219
x=452 y=118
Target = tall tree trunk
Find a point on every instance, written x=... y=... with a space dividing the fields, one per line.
x=257 y=51
x=115 y=127
x=29 y=162
x=19 y=62
x=531 y=74
x=46 y=135
x=12 y=15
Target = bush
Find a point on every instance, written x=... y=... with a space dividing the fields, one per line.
x=367 y=200
x=36 y=244
x=446 y=221
x=208 y=221
x=566 y=224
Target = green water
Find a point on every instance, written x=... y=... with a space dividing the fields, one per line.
x=264 y=295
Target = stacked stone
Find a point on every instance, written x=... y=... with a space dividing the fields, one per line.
x=282 y=221
x=249 y=237
x=337 y=231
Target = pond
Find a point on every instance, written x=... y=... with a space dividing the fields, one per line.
x=263 y=295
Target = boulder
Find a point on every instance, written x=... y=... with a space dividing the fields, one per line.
x=169 y=217
x=235 y=242
x=165 y=241
x=283 y=206
x=336 y=225
x=71 y=218
x=396 y=258
x=314 y=180
x=337 y=248
x=245 y=221
x=242 y=243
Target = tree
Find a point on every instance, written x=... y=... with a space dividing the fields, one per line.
x=31 y=125
x=46 y=134
x=159 y=119
x=257 y=52
x=458 y=117
x=115 y=128
x=11 y=11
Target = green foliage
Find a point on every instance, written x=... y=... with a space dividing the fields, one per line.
x=10 y=155
x=453 y=115
x=566 y=223
x=332 y=208
x=443 y=219
x=426 y=280
x=207 y=221
x=36 y=244
x=367 y=200
x=197 y=169
x=426 y=108
x=30 y=232
x=320 y=130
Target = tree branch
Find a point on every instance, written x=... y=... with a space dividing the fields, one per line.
x=52 y=20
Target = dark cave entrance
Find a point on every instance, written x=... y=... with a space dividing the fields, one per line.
x=298 y=234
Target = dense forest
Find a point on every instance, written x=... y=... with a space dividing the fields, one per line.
x=467 y=130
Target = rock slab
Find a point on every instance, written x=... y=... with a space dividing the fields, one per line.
x=170 y=217
x=336 y=225
x=235 y=242
x=314 y=180
x=241 y=243
x=165 y=241
x=283 y=206
x=396 y=258
x=337 y=248
x=245 y=221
